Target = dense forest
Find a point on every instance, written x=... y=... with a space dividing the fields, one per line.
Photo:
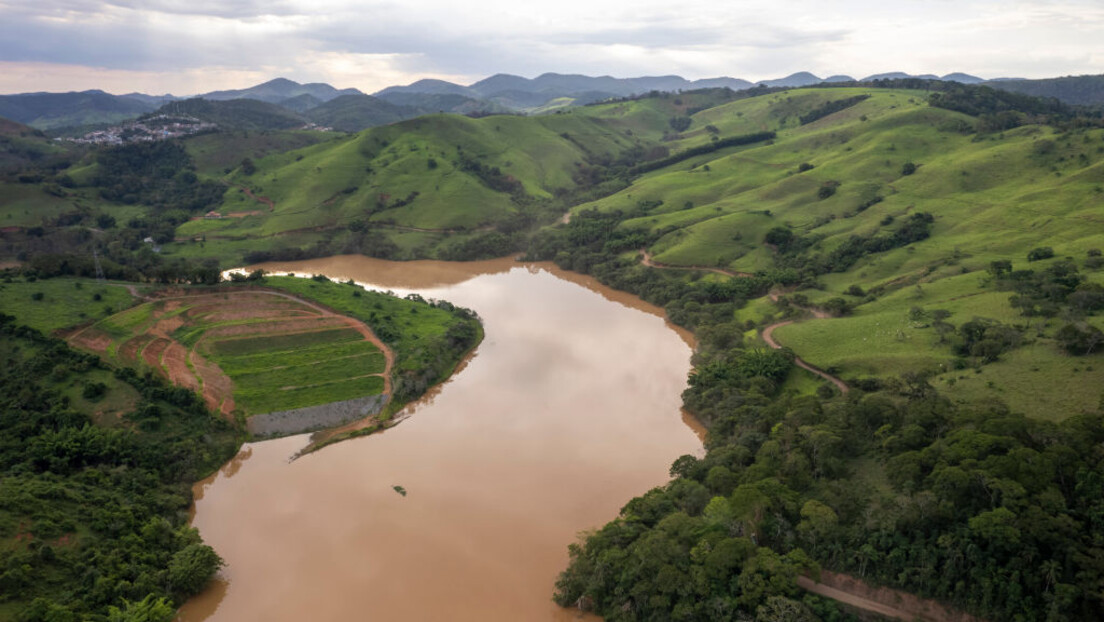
x=98 y=509
x=993 y=512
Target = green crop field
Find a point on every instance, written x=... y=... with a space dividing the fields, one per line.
x=409 y=328
x=245 y=346
x=364 y=351
x=272 y=352
x=268 y=398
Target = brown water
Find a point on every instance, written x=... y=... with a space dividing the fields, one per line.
x=568 y=408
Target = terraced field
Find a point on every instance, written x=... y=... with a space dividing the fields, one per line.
x=254 y=351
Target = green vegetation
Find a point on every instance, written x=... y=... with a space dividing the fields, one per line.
x=64 y=302
x=281 y=343
x=278 y=353
x=428 y=339
x=241 y=114
x=265 y=395
x=931 y=297
x=219 y=153
x=949 y=233
x=93 y=506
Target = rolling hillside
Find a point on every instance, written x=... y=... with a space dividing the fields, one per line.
x=436 y=172
x=279 y=90
x=46 y=111
x=897 y=297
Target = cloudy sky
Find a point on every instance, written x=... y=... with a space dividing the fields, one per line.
x=194 y=46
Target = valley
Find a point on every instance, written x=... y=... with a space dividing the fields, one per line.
x=884 y=298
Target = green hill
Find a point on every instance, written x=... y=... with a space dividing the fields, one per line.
x=242 y=114
x=22 y=146
x=352 y=113
x=934 y=251
x=434 y=173
x=1083 y=90
x=300 y=103
x=50 y=111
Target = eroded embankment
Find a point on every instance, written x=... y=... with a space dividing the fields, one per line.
x=311 y=418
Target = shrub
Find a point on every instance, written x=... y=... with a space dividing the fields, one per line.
x=1079 y=338
x=1042 y=252
x=680 y=124
x=827 y=189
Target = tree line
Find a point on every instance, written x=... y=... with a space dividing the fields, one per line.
x=95 y=512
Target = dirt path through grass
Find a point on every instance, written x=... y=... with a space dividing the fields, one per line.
x=647 y=260
x=768 y=336
x=768 y=332
x=262 y=200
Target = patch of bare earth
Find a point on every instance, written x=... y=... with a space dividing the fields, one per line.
x=151 y=354
x=175 y=361
x=167 y=325
x=131 y=347
x=92 y=339
x=218 y=389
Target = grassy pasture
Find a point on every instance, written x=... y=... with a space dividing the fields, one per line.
x=64 y=302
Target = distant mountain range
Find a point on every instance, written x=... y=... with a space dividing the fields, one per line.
x=353 y=110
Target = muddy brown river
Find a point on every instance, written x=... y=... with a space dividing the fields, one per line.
x=569 y=408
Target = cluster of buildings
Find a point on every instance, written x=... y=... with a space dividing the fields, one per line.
x=146 y=129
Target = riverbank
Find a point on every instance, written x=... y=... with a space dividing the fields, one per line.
x=498 y=465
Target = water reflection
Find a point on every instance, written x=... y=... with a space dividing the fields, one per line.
x=570 y=407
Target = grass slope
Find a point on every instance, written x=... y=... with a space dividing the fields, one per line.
x=417 y=174
x=49 y=305
x=993 y=197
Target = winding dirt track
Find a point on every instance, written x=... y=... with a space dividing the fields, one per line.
x=647 y=260
x=768 y=332
x=262 y=200
x=768 y=336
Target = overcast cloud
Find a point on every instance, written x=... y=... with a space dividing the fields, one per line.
x=193 y=46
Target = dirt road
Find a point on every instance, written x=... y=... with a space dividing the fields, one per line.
x=768 y=336
x=647 y=260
